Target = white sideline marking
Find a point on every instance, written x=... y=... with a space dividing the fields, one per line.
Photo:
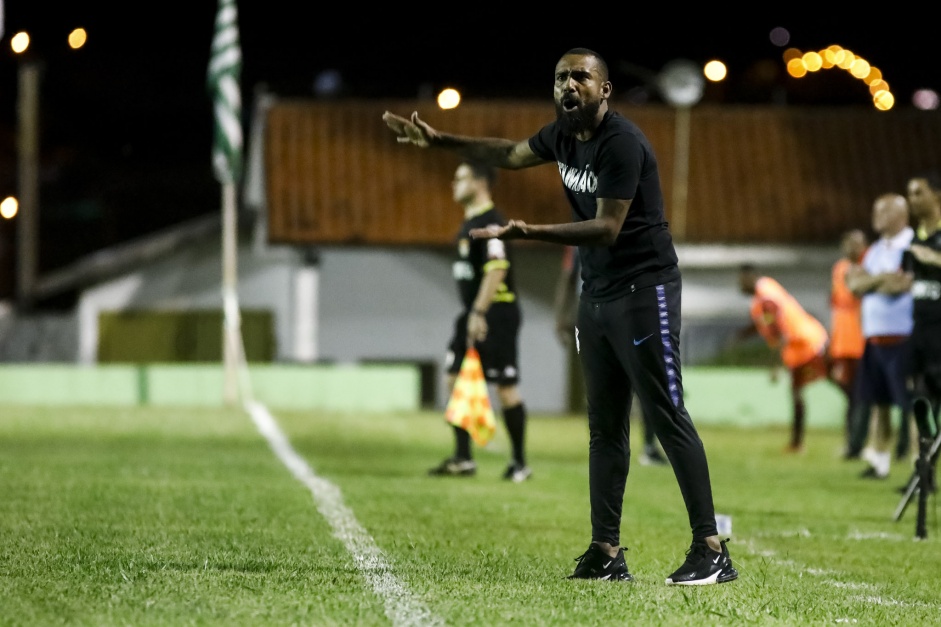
x=857 y=535
x=402 y=608
x=871 y=599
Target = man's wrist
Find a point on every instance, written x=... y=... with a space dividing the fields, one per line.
x=479 y=312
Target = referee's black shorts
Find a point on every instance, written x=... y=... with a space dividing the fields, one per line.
x=498 y=353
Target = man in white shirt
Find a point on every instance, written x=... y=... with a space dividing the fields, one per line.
x=887 y=326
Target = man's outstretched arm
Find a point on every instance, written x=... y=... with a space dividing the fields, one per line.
x=495 y=151
x=602 y=230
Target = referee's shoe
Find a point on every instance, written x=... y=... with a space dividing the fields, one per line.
x=454 y=467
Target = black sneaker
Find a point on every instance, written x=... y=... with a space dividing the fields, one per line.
x=517 y=472
x=704 y=566
x=596 y=564
x=454 y=467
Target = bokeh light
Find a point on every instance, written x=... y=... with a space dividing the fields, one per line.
x=328 y=83
x=847 y=59
x=860 y=68
x=926 y=99
x=796 y=68
x=715 y=71
x=877 y=86
x=449 y=98
x=9 y=207
x=77 y=38
x=791 y=53
x=19 y=42
x=779 y=36
x=812 y=61
x=799 y=63
x=884 y=100
x=875 y=74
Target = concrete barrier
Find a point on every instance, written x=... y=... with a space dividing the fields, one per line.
x=734 y=396
x=746 y=396
x=340 y=387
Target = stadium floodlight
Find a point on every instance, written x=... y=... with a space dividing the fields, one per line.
x=681 y=83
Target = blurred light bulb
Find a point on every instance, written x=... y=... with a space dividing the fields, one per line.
x=9 y=207
x=77 y=38
x=449 y=98
x=779 y=36
x=20 y=42
x=715 y=71
x=926 y=99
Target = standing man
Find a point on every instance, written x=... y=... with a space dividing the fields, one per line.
x=490 y=320
x=922 y=264
x=628 y=326
x=796 y=337
x=887 y=327
x=847 y=341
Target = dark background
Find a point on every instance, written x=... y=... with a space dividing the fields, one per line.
x=126 y=121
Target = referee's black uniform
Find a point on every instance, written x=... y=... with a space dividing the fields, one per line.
x=500 y=350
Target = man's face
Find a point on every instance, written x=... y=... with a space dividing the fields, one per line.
x=853 y=245
x=579 y=93
x=464 y=186
x=921 y=198
x=889 y=215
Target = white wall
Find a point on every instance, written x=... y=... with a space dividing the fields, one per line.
x=401 y=304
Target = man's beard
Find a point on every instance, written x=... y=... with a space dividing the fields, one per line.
x=577 y=120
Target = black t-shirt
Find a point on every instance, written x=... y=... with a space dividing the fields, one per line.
x=617 y=162
x=926 y=287
x=476 y=256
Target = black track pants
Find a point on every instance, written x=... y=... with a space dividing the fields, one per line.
x=632 y=345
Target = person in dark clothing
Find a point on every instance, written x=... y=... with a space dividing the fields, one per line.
x=628 y=324
x=921 y=264
x=489 y=320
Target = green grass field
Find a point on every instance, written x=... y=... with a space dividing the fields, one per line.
x=198 y=517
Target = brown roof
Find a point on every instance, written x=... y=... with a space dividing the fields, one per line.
x=756 y=174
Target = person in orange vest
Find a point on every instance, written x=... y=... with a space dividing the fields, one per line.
x=799 y=339
x=847 y=341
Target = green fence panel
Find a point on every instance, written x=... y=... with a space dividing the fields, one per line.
x=147 y=336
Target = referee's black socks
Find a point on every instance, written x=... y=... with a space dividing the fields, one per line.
x=515 y=420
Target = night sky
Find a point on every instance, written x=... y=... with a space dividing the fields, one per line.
x=126 y=121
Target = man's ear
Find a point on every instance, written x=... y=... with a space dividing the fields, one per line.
x=606 y=89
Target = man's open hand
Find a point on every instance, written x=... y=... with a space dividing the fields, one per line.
x=514 y=229
x=409 y=131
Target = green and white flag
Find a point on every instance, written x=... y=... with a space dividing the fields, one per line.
x=225 y=68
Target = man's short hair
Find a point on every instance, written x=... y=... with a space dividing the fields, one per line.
x=931 y=177
x=602 y=64
x=853 y=232
x=482 y=171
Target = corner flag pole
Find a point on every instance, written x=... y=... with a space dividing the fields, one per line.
x=224 y=74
